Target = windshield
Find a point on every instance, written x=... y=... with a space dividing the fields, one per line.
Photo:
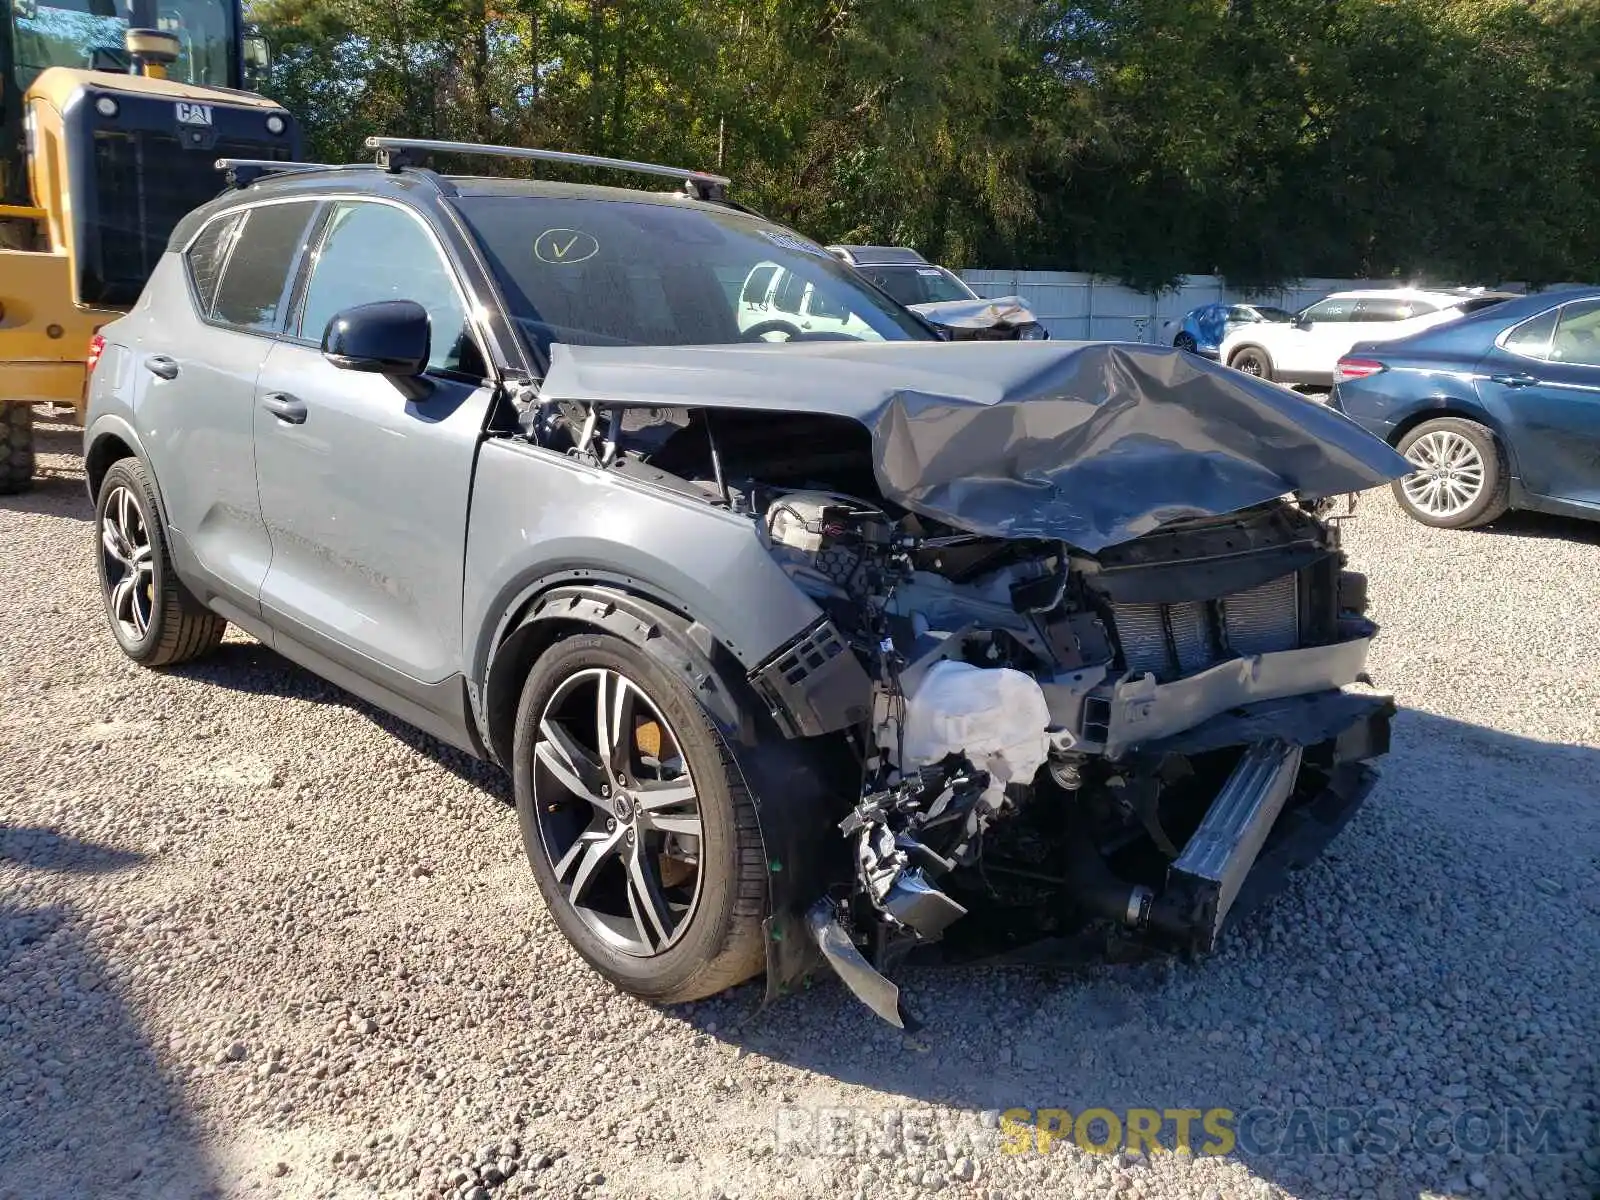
x=89 y=34
x=918 y=284
x=613 y=273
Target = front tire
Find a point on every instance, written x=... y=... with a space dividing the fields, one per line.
x=636 y=822
x=1461 y=480
x=154 y=618
x=1185 y=341
x=16 y=448
x=1253 y=360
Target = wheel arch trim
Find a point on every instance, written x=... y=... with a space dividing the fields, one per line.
x=111 y=430
x=543 y=611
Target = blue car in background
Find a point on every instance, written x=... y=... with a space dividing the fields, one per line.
x=1202 y=329
x=1498 y=410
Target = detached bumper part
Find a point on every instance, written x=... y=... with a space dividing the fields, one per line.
x=1206 y=878
x=851 y=966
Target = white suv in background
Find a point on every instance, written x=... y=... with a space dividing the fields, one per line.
x=1305 y=350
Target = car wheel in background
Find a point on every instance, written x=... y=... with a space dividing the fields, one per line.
x=154 y=618
x=1460 y=481
x=1252 y=360
x=637 y=824
x=1185 y=341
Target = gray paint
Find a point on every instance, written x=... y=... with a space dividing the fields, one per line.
x=539 y=517
x=195 y=430
x=366 y=507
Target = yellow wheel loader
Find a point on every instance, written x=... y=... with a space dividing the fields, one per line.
x=113 y=114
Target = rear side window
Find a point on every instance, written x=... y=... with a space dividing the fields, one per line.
x=1331 y=310
x=1577 y=339
x=1387 y=310
x=263 y=251
x=789 y=293
x=206 y=257
x=1531 y=339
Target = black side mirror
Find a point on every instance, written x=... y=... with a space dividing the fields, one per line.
x=1302 y=321
x=387 y=337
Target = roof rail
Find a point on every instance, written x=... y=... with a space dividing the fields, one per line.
x=242 y=172
x=396 y=153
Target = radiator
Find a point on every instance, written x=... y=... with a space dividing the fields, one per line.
x=1170 y=641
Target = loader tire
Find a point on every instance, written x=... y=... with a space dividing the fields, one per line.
x=16 y=448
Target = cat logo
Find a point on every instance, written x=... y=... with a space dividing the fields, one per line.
x=193 y=114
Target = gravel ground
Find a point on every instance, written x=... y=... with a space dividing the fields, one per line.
x=257 y=939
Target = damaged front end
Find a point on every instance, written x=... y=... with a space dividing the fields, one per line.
x=1087 y=636
x=1151 y=736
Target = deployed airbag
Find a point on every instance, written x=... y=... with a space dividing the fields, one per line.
x=1094 y=443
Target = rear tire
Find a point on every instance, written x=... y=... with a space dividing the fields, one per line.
x=154 y=618
x=1461 y=482
x=663 y=913
x=16 y=448
x=1253 y=360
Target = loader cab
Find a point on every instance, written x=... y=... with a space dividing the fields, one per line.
x=114 y=147
x=113 y=114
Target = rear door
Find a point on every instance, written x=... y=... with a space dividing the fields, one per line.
x=1544 y=376
x=198 y=363
x=364 y=485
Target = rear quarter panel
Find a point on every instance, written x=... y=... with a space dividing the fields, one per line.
x=540 y=519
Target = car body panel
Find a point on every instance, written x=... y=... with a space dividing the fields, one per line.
x=540 y=519
x=365 y=503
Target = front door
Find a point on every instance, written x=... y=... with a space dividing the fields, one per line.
x=364 y=479
x=1550 y=395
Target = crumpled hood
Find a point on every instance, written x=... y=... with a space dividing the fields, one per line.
x=1092 y=443
x=1007 y=311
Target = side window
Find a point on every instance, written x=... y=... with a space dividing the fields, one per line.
x=791 y=290
x=373 y=252
x=755 y=287
x=1577 y=339
x=1324 y=311
x=1531 y=339
x=264 y=248
x=1384 y=310
x=207 y=255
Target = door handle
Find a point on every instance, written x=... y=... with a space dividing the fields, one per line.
x=1519 y=380
x=162 y=366
x=285 y=407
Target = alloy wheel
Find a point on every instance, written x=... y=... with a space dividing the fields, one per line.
x=1251 y=364
x=618 y=813
x=1449 y=475
x=129 y=562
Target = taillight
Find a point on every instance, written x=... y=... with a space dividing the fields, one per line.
x=97 y=347
x=1355 y=368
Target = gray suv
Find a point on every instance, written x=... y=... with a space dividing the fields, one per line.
x=839 y=649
